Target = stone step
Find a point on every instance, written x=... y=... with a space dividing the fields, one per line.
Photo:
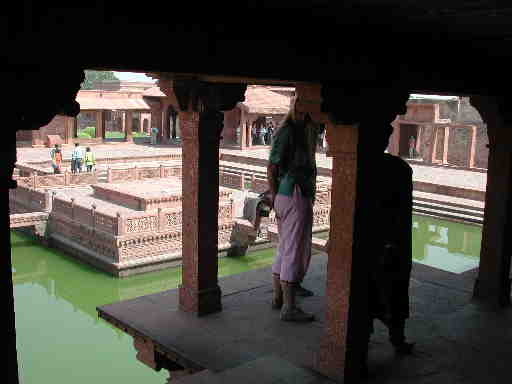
x=202 y=377
x=265 y=370
x=449 y=209
x=442 y=213
x=449 y=200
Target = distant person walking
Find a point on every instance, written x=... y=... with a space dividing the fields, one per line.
x=77 y=157
x=254 y=134
x=154 y=133
x=412 y=147
x=56 y=156
x=263 y=133
x=89 y=159
x=270 y=133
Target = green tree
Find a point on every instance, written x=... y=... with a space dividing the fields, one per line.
x=92 y=76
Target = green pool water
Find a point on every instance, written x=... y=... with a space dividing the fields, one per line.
x=60 y=338
x=450 y=246
x=447 y=245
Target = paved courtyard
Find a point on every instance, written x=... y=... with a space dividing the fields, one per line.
x=105 y=152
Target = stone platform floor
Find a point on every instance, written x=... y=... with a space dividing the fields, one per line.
x=147 y=189
x=101 y=151
x=457 y=340
x=435 y=175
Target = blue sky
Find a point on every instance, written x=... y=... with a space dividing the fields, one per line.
x=131 y=76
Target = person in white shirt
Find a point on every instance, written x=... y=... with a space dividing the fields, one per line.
x=77 y=157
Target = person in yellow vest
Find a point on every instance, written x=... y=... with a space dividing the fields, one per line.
x=89 y=159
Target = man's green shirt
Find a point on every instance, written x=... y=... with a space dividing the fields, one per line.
x=293 y=150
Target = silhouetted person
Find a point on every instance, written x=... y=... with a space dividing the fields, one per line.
x=391 y=264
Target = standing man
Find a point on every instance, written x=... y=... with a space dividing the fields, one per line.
x=263 y=133
x=270 y=133
x=253 y=134
x=292 y=184
x=412 y=147
x=154 y=133
x=77 y=157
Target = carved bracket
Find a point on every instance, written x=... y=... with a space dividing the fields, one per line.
x=186 y=91
x=199 y=96
x=349 y=105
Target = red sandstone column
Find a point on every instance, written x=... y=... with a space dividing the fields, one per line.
x=128 y=126
x=350 y=131
x=342 y=141
x=70 y=128
x=493 y=282
x=472 y=147
x=446 y=142
x=100 y=121
x=433 y=153
x=334 y=354
x=201 y=121
x=243 y=130
x=199 y=291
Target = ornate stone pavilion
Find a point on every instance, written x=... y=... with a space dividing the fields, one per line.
x=128 y=108
x=261 y=106
x=447 y=131
x=335 y=54
x=128 y=219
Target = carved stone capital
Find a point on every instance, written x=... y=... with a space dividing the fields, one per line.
x=351 y=105
x=198 y=96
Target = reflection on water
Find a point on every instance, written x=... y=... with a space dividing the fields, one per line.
x=450 y=246
x=446 y=245
x=60 y=338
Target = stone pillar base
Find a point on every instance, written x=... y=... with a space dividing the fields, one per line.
x=500 y=299
x=202 y=302
x=331 y=363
